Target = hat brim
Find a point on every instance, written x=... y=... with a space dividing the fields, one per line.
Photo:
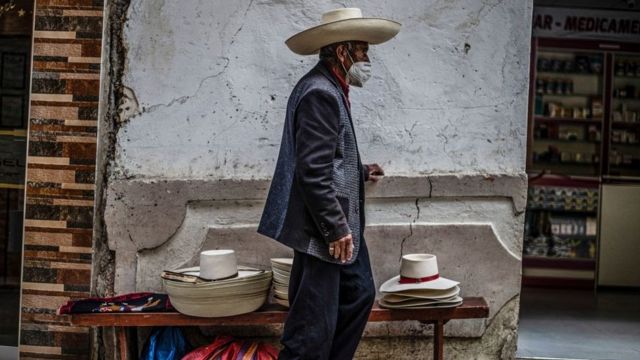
x=422 y=294
x=393 y=285
x=422 y=304
x=371 y=30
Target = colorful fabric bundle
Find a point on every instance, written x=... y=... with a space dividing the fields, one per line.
x=228 y=348
x=134 y=302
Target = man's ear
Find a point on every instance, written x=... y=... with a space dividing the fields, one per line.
x=341 y=53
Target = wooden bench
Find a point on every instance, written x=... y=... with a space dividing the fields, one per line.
x=471 y=308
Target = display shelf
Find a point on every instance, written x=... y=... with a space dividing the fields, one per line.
x=615 y=144
x=564 y=73
x=595 y=121
x=566 y=141
x=564 y=211
x=626 y=77
x=558 y=262
x=570 y=163
x=569 y=95
x=627 y=125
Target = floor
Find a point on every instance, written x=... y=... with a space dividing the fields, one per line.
x=577 y=324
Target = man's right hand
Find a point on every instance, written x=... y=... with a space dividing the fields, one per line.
x=342 y=249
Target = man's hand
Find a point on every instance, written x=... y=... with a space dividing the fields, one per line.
x=342 y=249
x=375 y=172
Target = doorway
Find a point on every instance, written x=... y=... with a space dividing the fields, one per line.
x=16 y=28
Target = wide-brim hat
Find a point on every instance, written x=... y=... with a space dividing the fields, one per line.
x=346 y=24
x=240 y=294
x=418 y=271
x=422 y=294
x=421 y=303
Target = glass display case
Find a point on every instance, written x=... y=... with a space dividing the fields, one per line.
x=624 y=154
x=584 y=131
x=568 y=112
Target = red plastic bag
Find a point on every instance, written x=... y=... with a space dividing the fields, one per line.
x=228 y=348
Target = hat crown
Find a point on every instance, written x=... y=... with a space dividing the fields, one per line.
x=418 y=266
x=218 y=264
x=341 y=14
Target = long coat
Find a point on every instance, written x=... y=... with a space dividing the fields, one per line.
x=317 y=191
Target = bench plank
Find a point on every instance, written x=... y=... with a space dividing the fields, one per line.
x=471 y=307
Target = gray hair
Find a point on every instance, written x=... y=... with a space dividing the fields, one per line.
x=328 y=53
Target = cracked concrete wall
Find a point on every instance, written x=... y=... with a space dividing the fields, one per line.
x=448 y=95
x=197 y=99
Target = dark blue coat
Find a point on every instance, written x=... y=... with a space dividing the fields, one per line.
x=317 y=191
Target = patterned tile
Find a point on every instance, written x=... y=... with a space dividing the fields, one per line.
x=60 y=175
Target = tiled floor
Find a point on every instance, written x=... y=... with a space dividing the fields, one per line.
x=575 y=324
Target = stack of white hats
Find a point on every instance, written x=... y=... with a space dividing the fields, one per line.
x=281 y=273
x=218 y=287
x=419 y=286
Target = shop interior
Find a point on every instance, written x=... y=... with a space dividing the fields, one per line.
x=581 y=280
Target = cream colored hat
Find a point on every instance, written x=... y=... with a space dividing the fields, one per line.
x=417 y=272
x=342 y=25
x=241 y=294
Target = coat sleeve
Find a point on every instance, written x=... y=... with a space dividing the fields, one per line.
x=317 y=129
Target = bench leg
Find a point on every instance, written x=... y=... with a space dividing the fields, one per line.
x=123 y=342
x=438 y=340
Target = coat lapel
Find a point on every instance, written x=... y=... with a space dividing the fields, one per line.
x=326 y=73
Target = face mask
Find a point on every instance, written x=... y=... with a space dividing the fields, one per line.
x=358 y=73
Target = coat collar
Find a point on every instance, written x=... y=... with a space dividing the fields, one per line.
x=324 y=70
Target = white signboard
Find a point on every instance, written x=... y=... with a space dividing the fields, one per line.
x=586 y=24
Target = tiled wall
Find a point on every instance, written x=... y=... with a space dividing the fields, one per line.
x=60 y=174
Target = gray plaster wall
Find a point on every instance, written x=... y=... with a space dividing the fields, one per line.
x=211 y=80
x=197 y=92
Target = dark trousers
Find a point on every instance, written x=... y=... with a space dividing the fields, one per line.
x=330 y=305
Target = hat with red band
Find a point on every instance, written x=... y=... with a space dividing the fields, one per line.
x=418 y=272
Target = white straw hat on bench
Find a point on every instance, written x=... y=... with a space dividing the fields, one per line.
x=418 y=272
x=218 y=287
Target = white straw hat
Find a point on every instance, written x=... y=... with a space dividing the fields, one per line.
x=418 y=271
x=238 y=295
x=346 y=24
x=422 y=303
x=218 y=264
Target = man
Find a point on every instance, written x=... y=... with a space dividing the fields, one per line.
x=316 y=200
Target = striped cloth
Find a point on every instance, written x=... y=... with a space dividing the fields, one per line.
x=228 y=348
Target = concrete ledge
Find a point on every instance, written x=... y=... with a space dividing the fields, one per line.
x=465 y=220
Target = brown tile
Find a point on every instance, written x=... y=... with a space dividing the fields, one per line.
x=45 y=223
x=82 y=13
x=52 y=350
x=54 y=34
x=92 y=49
x=55 y=112
x=48 y=160
x=66 y=50
x=80 y=76
x=85 y=240
x=43 y=302
x=77 y=139
x=73 y=276
x=57 y=176
x=83 y=87
x=73 y=202
x=46 y=238
x=58 y=256
x=42 y=286
x=79 y=150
